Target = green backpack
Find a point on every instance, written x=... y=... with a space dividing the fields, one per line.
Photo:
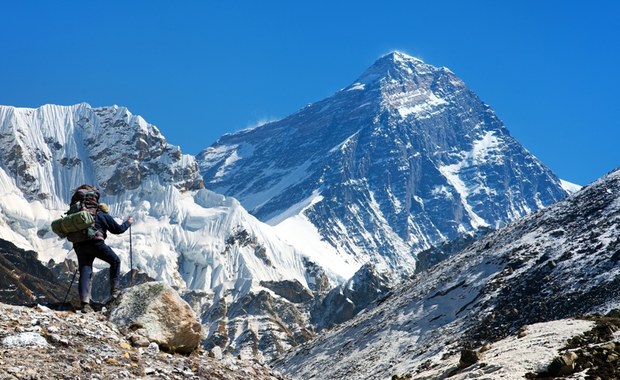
x=72 y=223
x=79 y=223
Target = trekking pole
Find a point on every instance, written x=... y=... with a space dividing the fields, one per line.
x=69 y=289
x=71 y=284
x=130 y=257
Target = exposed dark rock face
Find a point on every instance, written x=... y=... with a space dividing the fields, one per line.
x=347 y=300
x=438 y=253
x=24 y=280
x=317 y=278
x=282 y=322
x=291 y=290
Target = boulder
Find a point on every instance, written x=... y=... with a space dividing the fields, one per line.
x=563 y=365
x=24 y=339
x=469 y=358
x=157 y=312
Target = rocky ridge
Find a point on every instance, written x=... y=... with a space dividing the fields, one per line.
x=24 y=280
x=558 y=263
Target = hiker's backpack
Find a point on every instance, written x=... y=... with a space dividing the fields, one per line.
x=79 y=223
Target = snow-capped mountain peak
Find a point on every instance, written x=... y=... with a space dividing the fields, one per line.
x=184 y=234
x=405 y=157
x=394 y=66
x=107 y=146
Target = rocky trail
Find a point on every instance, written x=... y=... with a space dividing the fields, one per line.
x=41 y=343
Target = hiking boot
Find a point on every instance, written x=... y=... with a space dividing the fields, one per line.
x=86 y=308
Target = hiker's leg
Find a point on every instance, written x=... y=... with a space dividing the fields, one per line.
x=85 y=265
x=106 y=254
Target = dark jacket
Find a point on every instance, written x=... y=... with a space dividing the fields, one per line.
x=104 y=222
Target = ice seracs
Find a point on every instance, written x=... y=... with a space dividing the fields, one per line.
x=184 y=234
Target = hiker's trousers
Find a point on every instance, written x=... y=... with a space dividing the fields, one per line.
x=87 y=252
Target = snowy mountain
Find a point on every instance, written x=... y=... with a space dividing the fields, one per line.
x=197 y=240
x=559 y=263
x=352 y=188
x=404 y=158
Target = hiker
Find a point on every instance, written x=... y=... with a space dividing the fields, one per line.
x=88 y=250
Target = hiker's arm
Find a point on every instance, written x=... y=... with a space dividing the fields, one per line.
x=110 y=224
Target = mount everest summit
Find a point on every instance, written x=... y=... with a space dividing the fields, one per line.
x=404 y=158
x=342 y=194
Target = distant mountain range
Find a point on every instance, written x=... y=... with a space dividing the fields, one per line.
x=342 y=196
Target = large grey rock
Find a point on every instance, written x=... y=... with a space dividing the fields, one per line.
x=157 y=312
x=24 y=339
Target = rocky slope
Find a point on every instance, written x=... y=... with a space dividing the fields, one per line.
x=404 y=158
x=560 y=262
x=40 y=343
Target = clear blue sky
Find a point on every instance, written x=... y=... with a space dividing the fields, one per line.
x=198 y=69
